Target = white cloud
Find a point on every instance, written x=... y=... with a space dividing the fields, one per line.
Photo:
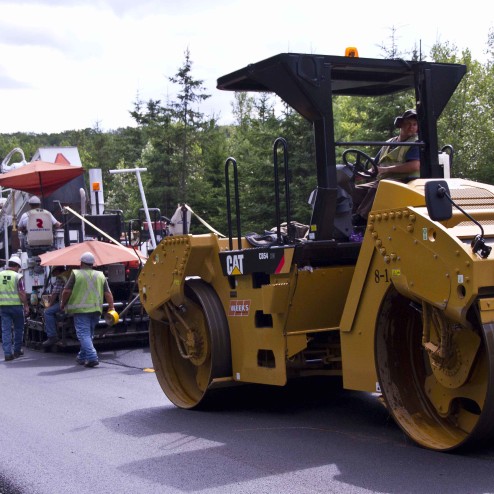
x=68 y=64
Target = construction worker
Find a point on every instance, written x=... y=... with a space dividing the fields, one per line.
x=36 y=225
x=82 y=296
x=394 y=163
x=53 y=305
x=12 y=299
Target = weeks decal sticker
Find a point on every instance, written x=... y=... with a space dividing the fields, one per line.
x=239 y=308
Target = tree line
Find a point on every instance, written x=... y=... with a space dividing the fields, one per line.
x=184 y=151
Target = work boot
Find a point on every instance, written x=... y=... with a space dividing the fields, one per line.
x=18 y=354
x=80 y=361
x=9 y=357
x=91 y=363
x=52 y=340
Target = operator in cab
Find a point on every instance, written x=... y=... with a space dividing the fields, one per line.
x=393 y=163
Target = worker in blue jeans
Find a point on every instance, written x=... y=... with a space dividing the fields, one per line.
x=82 y=296
x=13 y=306
x=53 y=306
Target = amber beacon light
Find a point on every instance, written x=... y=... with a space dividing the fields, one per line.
x=351 y=51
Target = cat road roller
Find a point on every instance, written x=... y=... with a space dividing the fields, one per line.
x=407 y=311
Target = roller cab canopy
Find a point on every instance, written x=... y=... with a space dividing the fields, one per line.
x=308 y=82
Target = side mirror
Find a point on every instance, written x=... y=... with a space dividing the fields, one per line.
x=437 y=201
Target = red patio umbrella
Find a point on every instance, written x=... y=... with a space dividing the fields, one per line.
x=104 y=253
x=40 y=177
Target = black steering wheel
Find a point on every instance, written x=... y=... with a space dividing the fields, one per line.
x=363 y=165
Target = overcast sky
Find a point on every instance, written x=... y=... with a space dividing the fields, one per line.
x=74 y=64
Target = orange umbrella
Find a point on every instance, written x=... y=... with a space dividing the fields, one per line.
x=40 y=177
x=104 y=253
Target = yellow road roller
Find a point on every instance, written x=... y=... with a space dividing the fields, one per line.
x=405 y=310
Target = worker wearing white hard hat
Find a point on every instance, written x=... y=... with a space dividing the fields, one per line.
x=40 y=218
x=12 y=300
x=83 y=297
x=35 y=204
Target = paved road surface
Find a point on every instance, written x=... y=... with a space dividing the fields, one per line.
x=67 y=429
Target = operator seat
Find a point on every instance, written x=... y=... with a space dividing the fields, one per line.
x=344 y=203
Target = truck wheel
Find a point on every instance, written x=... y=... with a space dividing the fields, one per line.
x=438 y=383
x=192 y=348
